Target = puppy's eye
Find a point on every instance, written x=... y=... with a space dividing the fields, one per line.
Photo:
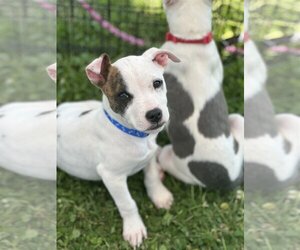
x=124 y=95
x=157 y=84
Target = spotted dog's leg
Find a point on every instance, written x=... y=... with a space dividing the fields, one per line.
x=289 y=126
x=236 y=123
x=157 y=192
x=166 y=161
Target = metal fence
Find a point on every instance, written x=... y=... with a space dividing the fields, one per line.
x=27 y=47
x=78 y=32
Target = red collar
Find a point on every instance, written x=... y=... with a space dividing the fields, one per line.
x=205 y=40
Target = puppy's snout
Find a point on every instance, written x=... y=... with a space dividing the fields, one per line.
x=154 y=115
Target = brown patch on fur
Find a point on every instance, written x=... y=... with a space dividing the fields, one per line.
x=114 y=85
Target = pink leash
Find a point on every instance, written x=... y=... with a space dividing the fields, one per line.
x=110 y=27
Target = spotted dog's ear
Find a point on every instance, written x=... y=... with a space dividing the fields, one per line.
x=97 y=71
x=160 y=56
x=51 y=70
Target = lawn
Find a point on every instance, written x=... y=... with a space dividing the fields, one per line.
x=87 y=218
x=28 y=212
x=272 y=221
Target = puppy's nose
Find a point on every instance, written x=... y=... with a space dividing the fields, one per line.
x=154 y=115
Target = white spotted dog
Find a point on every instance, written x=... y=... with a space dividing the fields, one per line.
x=28 y=137
x=272 y=142
x=206 y=145
x=116 y=138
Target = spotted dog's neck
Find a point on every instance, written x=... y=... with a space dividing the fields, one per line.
x=190 y=21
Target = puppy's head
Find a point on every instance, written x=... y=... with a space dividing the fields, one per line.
x=135 y=87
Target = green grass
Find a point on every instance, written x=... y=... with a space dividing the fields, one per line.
x=88 y=218
x=272 y=221
x=27 y=47
x=28 y=213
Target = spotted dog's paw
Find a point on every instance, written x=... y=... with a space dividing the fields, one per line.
x=134 y=231
x=161 y=197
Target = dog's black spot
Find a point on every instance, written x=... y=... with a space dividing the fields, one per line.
x=259 y=116
x=182 y=141
x=260 y=178
x=85 y=112
x=213 y=120
x=236 y=146
x=57 y=115
x=1 y=116
x=213 y=175
x=287 y=146
x=45 y=112
x=181 y=107
x=3 y=136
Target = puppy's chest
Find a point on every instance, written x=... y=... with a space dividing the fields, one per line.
x=138 y=156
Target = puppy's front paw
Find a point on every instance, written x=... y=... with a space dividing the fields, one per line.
x=134 y=231
x=161 y=197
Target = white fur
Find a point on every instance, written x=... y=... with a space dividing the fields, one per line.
x=266 y=150
x=139 y=74
x=28 y=139
x=201 y=75
x=90 y=147
x=255 y=71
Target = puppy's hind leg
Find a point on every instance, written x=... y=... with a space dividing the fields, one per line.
x=157 y=192
x=166 y=159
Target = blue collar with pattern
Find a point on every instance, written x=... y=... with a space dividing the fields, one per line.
x=130 y=131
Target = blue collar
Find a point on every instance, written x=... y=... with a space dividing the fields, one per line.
x=130 y=131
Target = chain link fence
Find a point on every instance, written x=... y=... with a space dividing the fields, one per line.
x=81 y=37
x=27 y=47
x=79 y=32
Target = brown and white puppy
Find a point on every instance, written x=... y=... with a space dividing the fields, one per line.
x=115 y=138
x=28 y=136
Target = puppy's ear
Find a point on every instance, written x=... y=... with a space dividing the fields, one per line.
x=51 y=70
x=97 y=71
x=160 y=57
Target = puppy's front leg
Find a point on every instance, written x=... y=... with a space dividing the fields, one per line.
x=133 y=227
x=158 y=193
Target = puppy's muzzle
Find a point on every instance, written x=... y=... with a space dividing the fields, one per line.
x=154 y=116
